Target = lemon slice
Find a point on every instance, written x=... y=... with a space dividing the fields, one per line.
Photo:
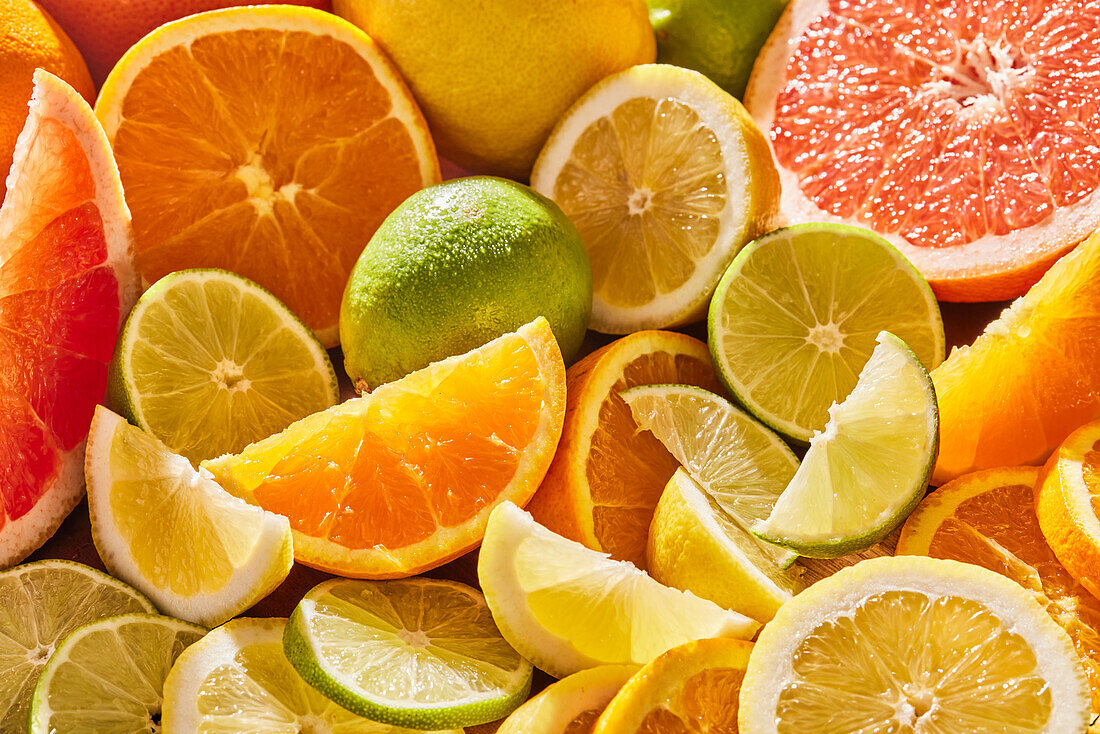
x=107 y=677
x=41 y=603
x=237 y=679
x=912 y=644
x=571 y=705
x=870 y=466
x=565 y=607
x=170 y=530
x=422 y=653
x=666 y=177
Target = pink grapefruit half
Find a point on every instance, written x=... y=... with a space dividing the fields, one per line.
x=965 y=131
x=66 y=284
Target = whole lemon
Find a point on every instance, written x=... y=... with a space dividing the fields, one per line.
x=455 y=266
x=494 y=76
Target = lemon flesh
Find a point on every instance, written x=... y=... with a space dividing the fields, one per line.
x=796 y=317
x=869 y=468
x=209 y=362
x=423 y=653
x=171 y=531
x=107 y=677
x=42 y=603
x=571 y=705
x=565 y=607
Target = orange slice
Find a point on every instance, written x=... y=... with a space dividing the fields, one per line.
x=607 y=476
x=269 y=141
x=403 y=479
x=988 y=518
x=1029 y=379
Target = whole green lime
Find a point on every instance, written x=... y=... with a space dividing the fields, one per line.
x=719 y=38
x=455 y=266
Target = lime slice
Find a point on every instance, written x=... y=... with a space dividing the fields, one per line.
x=107 y=677
x=421 y=653
x=869 y=468
x=41 y=603
x=796 y=315
x=200 y=553
x=566 y=607
x=237 y=679
x=741 y=465
x=209 y=362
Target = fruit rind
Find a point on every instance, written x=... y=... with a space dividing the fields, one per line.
x=551 y=710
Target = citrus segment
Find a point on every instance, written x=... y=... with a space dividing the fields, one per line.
x=240 y=148
x=1028 y=380
x=666 y=177
x=403 y=479
x=960 y=130
x=988 y=518
x=571 y=705
x=65 y=284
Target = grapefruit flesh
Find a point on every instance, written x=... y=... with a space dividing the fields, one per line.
x=963 y=130
x=65 y=284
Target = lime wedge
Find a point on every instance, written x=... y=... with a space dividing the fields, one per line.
x=107 y=677
x=796 y=315
x=741 y=465
x=41 y=603
x=421 y=653
x=209 y=362
x=869 y=468
x=170 y=530
x=237 y=680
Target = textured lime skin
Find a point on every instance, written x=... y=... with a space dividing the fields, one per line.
x=455 y=266
x=719 y=38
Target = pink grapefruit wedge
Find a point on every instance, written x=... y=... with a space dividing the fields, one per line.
x=66 y=283
x=965 y=131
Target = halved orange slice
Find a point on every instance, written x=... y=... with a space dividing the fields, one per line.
x=268 y=141
x=403 y=479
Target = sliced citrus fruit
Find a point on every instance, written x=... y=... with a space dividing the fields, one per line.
x=840 y=657
x=42 y=603
x=107 y=677
x=209 y=362
x=690 y=688
x=796 y=316
x=537 y=583
x=869 y=468
x=988 y=518
x=200 y=553
x=666 y=177
x=570 y=705
x=607 y=475
x=1029 y=379
x=403 y=479
x=236 y=679
x=66 y=283
x=268 y=141
x=696 y=546
x=962 y=131
x=422 y=653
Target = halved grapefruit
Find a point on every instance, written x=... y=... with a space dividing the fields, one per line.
x=66 y=283
x=962 y=130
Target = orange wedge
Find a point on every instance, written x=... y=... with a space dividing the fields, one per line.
x=988 y=518
x=607 y=476
x=1030 y=379
x=269 y=141
x=403 y=479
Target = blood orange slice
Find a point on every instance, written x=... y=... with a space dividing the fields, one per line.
x=962 y=130
x=66 y=282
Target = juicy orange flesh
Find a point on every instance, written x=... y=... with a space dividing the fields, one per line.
x=707 y=704
x=269 y=153
x=59 y=314
x=943 y=121
x=864 y=671
x=628 y=469
x=645 y=187
x=426 y=452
